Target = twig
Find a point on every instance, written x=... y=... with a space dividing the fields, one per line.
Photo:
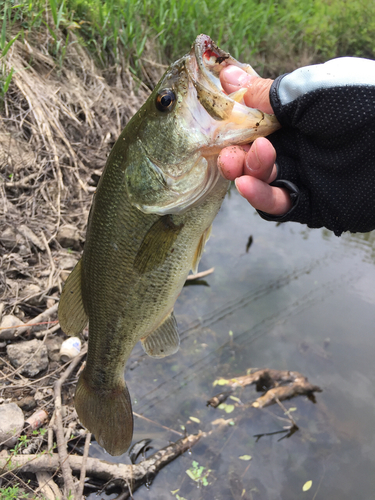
x=157 y=423
x=286 y=412
x=41 y=317
x=153 y=63
x=30 y=383
x=23 y=183
x=52 y=264
x=47 y=332
x=83 y=468
x=201 y=274
x=50 y=432
x=59 y=430
x=29 y=324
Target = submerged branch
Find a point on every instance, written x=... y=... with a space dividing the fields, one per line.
x=277 y=384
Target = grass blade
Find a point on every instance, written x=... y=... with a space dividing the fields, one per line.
x=53 y=5
x=8 y=45
x=7 y=81
x=3 y=29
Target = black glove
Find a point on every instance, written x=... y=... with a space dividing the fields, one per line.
x=326 y=146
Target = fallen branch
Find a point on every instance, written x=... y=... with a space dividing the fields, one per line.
x=135 y=475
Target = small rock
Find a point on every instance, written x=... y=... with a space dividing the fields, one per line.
x=64 y=275
x=27 y=352
x=53 y=346
x=10 y=239
x=38 y=396
x=50 y=303
x=8 y=322
x=33 y=292
x=11 y=423
x=23 y=250
x=31 y=236
x=67 y=263
x=68 y=237
x=27 y=403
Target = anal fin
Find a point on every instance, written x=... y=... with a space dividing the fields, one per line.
x=72 y=315
x=164 y=341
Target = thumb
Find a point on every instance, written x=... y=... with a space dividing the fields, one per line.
x=233 y=78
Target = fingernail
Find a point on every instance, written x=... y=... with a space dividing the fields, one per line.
x=235 y=76
x=237 y=186
x=250 y=163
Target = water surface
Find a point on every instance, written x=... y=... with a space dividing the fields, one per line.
x=299 y=299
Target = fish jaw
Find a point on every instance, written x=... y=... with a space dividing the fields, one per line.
x=233 y=122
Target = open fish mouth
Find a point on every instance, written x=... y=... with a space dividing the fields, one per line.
x=242 y=124
x=204 y=65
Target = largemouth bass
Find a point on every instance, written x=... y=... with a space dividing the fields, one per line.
x=150 y=219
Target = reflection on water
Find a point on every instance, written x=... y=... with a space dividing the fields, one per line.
x=294 y=299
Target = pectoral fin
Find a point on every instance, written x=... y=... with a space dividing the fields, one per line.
x=72 y=315
x=157 y=244
x=199 y=251
x=164 y=340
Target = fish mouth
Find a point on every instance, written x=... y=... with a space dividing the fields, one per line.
x=204 y=65
x=232 y=122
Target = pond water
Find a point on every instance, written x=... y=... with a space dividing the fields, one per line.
x=299 y=299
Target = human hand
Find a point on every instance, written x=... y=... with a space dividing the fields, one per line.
x=253 y=167
x=325 y=148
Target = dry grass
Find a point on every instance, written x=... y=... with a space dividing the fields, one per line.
x=57 y=126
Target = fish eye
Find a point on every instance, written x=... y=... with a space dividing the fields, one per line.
x=165 y=100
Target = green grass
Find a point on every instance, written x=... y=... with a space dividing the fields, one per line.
x=12 y=493
x=117 y=30
x=328 y=27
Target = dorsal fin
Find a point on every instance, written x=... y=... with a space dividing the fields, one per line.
x=164 y=340
x=199 y=251
x=72 y=315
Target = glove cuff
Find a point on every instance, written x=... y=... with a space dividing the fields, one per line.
x=294 y=194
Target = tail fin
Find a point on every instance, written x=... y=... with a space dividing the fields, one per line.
x=107 y=414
